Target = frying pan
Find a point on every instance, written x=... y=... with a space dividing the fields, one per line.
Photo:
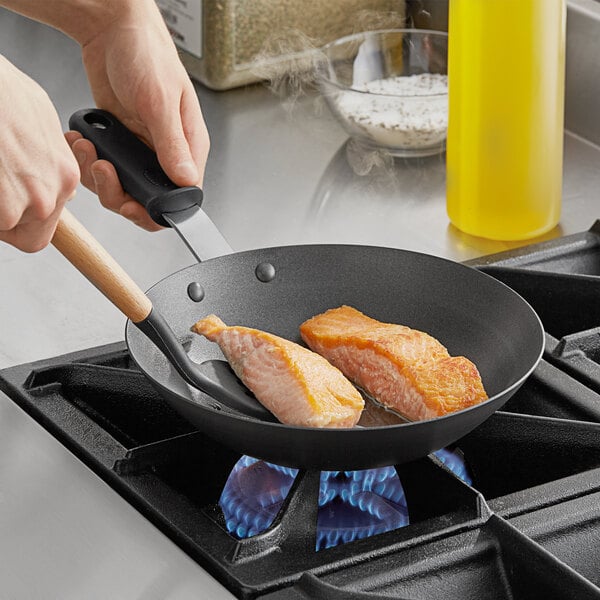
x=276 y=289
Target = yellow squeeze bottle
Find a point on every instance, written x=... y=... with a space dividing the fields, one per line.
x=506 y=63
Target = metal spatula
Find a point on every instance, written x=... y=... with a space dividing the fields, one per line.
x=143 y=178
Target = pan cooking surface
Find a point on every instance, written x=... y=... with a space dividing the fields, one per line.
x=471 y=313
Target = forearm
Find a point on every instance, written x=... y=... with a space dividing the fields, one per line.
x=81 y=20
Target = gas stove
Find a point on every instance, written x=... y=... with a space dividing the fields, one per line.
x=511 y=511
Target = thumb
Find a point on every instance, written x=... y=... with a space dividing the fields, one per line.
x=173 y=150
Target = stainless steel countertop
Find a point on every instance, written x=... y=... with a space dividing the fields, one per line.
x=276 y=175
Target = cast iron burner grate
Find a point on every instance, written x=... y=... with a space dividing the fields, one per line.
x=527 y=527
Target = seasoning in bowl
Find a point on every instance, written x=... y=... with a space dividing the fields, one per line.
x=389 y=89
x=399 y=112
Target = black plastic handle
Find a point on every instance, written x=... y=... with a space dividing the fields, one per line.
x=136 y=164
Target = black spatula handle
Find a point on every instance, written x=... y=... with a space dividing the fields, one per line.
x=136 y=164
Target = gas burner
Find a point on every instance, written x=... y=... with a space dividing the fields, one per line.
x=352 y=504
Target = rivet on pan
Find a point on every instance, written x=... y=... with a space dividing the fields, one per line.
x=215 y=406
x=195 y=291
x=265 y=272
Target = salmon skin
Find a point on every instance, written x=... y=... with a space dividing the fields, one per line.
x=404 y=369
x=297 y=385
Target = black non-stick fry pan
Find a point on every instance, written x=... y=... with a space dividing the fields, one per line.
x=276 y=289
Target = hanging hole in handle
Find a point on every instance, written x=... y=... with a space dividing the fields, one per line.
x=97 y=121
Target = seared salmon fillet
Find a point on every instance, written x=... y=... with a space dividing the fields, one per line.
x=405 y=369
x=297 y=385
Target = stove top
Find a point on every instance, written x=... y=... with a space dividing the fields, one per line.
x=526 y=526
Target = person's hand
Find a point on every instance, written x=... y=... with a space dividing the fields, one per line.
x=135 y=73
x=38 y=172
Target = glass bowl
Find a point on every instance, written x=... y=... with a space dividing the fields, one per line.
x=389 y=88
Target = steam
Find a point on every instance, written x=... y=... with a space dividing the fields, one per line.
x=289 y=62
x=364 y=159
x=289 y=59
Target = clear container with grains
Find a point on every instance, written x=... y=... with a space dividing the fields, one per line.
x=230 y=43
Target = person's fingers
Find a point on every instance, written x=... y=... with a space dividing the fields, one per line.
x=137 y=214
x=37 y=199
x=107 y=185
x=195 y=130
x=101 y=177
x=72 y=137
x=112 y=196
x=85 y=153
x=163 y=120
x=33 y=236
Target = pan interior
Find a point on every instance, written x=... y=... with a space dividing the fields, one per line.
x=469 y=312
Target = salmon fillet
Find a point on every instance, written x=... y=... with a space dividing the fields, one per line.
x=405 y=369
x=298 y=386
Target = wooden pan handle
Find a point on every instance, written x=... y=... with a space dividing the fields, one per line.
x=86 y=254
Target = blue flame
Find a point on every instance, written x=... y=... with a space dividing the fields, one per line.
x=352 y=504
x=454 y=460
